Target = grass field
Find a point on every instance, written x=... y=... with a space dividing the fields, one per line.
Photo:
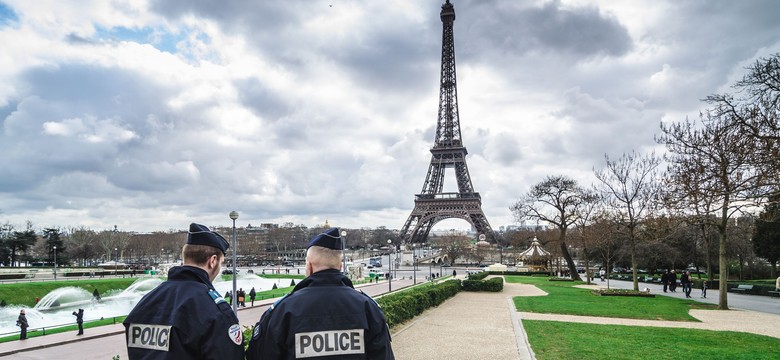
x=25 y=293
x=563 y=298
x=560 y=340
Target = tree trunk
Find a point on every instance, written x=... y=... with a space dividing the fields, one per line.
x=633 y=259
x=567 y=256
x=723 y=301
x=587 y=267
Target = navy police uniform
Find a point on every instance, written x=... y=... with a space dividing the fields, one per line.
x=324 y=317
x=184 y=317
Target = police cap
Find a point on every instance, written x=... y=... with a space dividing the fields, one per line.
x=330 y=239
x=201 y=235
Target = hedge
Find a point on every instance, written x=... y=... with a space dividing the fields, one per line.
x=405 y=305
x=495 y=284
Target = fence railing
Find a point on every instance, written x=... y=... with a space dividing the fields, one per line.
x=50 y=328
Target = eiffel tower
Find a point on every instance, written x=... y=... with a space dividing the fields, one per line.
x=432 y=204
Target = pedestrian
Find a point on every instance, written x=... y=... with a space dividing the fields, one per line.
x=185 y=317
x=21 y=322
x=80 y=320
x=229 y=297
x=252 y=294
x=672 y=281
x=322 y=308
x=665 y=279
x=686 y=282
x=241 y=297
x=777 y=284
x=454 y=273
x=704 y=289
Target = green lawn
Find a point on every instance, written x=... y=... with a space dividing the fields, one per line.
x=560 y=340
x=25 y=293
x=563 y=298
x=281 y=276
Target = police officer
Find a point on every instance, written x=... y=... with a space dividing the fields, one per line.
x=185 y=317
x=324 y=317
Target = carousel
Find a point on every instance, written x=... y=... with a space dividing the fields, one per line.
x=534 y=259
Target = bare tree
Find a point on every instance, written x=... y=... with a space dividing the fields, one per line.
x=559 y=201
x=80 y=242
x=606 y=240
x=724 y=164
x=631 y=187
x=590 y=207
x=454 y=245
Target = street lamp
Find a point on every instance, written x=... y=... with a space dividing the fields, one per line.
x=344 y=251
x=116 y=261
x=414 y=264
x=234 y=298
x=390 y=268
x=55 y=263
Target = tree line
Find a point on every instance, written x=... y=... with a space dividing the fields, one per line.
x=716 y=198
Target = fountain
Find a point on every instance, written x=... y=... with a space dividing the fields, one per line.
x=56 y=307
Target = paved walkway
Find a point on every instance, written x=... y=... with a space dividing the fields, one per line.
x=485 y=325
x=471 y=325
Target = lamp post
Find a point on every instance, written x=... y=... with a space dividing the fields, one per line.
x=234 y=298
x=344 y=251
x=390 y=267
x=414 y=264
x=55 y=262
x=116 y=262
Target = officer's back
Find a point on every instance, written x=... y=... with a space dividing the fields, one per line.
x=324 y=316
x=184 y=317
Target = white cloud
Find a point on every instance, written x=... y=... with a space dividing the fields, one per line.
x=152 y=114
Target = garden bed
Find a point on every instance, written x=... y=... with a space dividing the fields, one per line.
x=622 y=292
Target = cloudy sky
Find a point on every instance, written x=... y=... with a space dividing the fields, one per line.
x=150 y=114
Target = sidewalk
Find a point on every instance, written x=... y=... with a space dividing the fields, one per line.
x=471 y=325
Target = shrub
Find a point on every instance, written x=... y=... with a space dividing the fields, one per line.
x=405 y=305
x=495 y=284
x=479 y=275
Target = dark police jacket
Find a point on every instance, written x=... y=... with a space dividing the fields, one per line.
x=183 y=318
x=324 y=317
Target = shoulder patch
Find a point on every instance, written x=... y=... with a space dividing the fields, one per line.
x=234 y=333
x=218 y=299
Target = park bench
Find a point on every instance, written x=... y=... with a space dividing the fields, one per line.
x=742 y=288
x=774 y=293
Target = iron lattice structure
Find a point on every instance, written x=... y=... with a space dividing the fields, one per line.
x=432 y=204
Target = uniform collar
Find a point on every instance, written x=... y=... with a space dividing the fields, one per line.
x=186 y=272
x=328 y=277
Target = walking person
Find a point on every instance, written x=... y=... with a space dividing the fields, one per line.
x=252 y=294
x=324 y=316
x=672 y=281
x=21 y=322
x=80 y=321
x=665 y=279
x=704 y=289
x=185 y=317
x=685 y=280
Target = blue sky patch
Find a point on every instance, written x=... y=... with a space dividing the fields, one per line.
x=7 y=15
x=163 y=41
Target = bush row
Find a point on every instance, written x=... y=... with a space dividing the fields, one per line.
x=405 y=305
